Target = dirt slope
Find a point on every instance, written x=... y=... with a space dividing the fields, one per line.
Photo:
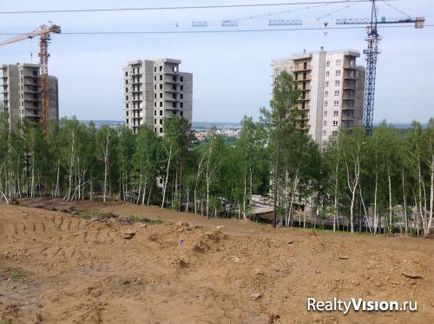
x=59 y=268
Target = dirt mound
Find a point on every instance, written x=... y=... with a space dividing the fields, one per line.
x=106 y=266
x=208 y=241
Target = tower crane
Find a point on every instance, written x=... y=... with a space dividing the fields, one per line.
x=371 y=52
x=44 y=32
x=373 y=38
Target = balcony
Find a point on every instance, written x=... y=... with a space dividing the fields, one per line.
x=135 y=80
x=349 y=66
x=348 y=105
x=348 y=123
x=31 y=99
x=349 y=94
x=171 y=100
x=170 y=72
x=349 y=75
x=30 y=75
x=173 y=109
x=306 y=89
x=31 y=90
x=349 y=85
x=34 y=82
x=32 y=112
x=302 y=87
x=301 y=117
x=170 y=89
x=170 y=80
x=302 y=68
x=300 y=77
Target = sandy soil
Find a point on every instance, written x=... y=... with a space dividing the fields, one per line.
x=59 y=268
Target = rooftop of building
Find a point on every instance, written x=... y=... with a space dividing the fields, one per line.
x=308 y=54
x=30 y=65
x=163 y=60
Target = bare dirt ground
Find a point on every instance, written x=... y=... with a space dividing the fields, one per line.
x=57 y=267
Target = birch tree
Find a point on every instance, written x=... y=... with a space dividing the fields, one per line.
x=106 y=138
x=353 y=154
x=145 y=163
x=279 y=120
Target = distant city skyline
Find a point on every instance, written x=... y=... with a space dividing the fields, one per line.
x=232 y=70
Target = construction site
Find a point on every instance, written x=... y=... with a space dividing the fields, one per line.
x=315 y=211
x=120 y=263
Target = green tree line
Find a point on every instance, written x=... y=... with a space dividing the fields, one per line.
x=381 y=183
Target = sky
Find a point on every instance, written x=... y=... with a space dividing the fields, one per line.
x=231 y=71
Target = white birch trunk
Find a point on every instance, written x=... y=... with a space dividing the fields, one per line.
x=106 y=165
x=431 y=202
x=389 y=180
x=71 y=166
x=166 y=180
x=404 y=201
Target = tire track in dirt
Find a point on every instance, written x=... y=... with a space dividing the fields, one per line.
x=89 y=272
x=68 y=225
x=78 y=224
x=24 y=229
x=98 y=231
x=43 y=250
x=85 y=234
x=51 y=219
x=59 y=226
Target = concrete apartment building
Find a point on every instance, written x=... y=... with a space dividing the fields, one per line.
x=332 y=91
x=155 y=90
x=21 y=89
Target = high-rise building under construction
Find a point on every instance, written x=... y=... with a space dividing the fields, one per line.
x=331 y=91
x=155 y=90
x=21 y=89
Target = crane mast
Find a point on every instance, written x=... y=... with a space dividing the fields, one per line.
x=371 y=52
x=43 y=71
x=44 y=33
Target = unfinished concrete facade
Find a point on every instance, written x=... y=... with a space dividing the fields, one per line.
x=155 y=90
x=21 y=89
x=331 y=87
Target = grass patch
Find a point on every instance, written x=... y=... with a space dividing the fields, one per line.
x=18 y=275
x=144 y=220
x=107 y=216
x=8 y=321
x=88 y=214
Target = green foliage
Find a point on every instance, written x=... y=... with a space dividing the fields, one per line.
x=6 y=321
x=383 y=182
x=88 y=214
x=144 y=220
x=19 y=275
